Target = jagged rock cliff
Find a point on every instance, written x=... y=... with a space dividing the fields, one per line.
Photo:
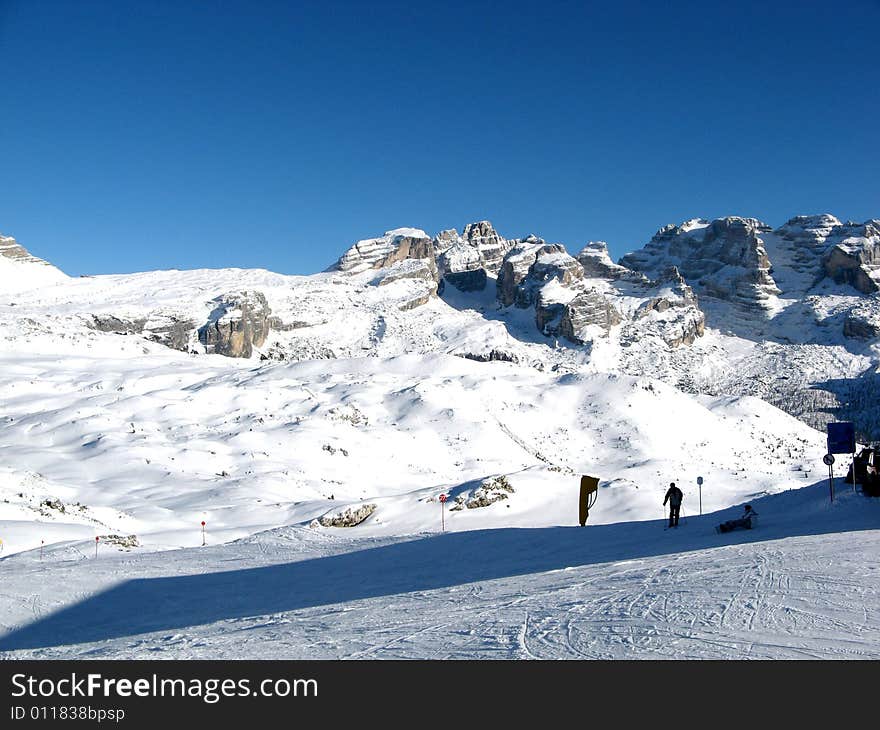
x=403 y=254
x=672 y=309
x=239 y=322
x=490 y=245
x=460 y=263
x=596 y=262
x=529 y=265
x=726 y=258
x=384 y=251
x=466 y=261
x=854 y=256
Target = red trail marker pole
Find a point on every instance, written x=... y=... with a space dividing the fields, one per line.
x=97 y=540
x=442 y=513
x=41 y=549
x=203 y=533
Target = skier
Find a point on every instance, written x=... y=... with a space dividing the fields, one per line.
x=674 y=497
x=747 y=521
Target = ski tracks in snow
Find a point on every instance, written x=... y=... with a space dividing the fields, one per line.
x=806 y=597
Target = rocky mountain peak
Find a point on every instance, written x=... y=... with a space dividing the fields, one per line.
x=671 y=230
x=404 y=259
x=596 y=263
x=809 y=226
x=492 y=247
x=725 y=258
x=14 y=251
x=378 y=253
x=479 y=232
x=445 y=239
x=735 y=229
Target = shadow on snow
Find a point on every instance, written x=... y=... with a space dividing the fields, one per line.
x=435 y=562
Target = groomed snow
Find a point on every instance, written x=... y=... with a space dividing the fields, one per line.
x=802 y=585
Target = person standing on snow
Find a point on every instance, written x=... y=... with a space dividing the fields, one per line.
x=674 y=497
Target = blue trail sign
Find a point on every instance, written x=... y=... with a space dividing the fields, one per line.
x=841 y=438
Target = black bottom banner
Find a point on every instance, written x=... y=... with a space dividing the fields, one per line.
x=226 y=693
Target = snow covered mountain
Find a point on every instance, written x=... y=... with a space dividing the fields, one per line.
x=311 y=418
x=140 y=404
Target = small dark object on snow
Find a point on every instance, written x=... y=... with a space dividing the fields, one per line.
x=747 y=521
x=589 y=492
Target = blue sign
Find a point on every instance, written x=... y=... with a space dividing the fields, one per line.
x=841 y=438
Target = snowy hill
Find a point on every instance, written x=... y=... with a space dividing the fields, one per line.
x=20 y=270
x=153 y=445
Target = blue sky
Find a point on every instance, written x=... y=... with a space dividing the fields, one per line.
x=137 y=136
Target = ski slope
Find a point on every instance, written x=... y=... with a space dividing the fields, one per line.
x=803 y=585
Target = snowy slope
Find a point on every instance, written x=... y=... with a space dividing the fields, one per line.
x=798 y=586
x=21 y=271
x=153 y=445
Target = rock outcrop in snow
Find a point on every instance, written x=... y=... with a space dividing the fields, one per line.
x=239 y=322
x=170 y=328
x=349 y=517
x=12 y=250
x=460 y=263
x=384 y=251
x=490 y=491
x=847 y=253
x=672 y=310
x=584 y=298
x=806 y=238
x=589 y=308
x=404 y=253
x=117 y=325
x=854 y=258
x=863 y=322
x=418 y=269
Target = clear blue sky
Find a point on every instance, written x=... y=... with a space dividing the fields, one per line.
x=182 y=134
